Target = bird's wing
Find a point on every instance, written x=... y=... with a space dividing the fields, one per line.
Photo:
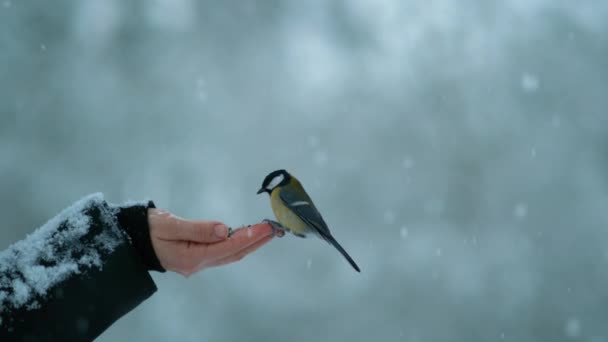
x=306 y=211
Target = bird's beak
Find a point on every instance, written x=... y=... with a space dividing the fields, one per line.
x=261 y=190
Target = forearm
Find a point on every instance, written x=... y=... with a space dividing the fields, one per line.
x=74 y=276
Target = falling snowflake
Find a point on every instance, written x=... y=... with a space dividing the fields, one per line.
x=529 y=82
x=407 y=163
x=404 y=232
x=521 y=210
x=389 y=217
x=573 y=327
x=201 y=89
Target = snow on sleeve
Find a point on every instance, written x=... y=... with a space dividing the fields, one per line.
x=64 y=246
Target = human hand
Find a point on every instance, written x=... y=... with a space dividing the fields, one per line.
x=186 y=246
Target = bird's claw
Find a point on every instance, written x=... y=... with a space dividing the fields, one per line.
x=277 y=228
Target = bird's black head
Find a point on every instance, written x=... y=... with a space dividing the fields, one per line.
x=274 y=179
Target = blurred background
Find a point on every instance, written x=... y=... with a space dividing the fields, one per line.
x=458 y=151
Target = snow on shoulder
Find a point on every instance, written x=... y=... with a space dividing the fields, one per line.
x=60 y=248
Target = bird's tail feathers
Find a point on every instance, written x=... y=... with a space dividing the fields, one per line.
x=350 y=260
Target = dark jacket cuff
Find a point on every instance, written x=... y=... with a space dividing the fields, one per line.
x=133 y=220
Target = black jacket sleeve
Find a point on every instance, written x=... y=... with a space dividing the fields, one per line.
x=76 y=275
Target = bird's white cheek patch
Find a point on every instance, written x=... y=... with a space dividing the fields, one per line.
x=299 y=203
x=275 y=182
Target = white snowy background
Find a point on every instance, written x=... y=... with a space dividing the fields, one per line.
x=458 y=151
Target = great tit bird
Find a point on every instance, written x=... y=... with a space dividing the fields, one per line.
x=295 y=211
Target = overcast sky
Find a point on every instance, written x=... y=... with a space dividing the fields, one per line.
x=458 y=151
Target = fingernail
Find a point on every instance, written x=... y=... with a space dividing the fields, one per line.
x=220 y=231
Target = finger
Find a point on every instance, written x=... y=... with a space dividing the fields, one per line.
x=255 y=226
x=242 y=253
x=240 y=239
x=199 y=231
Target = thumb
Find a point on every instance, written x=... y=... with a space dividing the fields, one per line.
x=167 y=226
x=200 y=231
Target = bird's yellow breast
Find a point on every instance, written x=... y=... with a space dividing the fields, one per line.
x=285 y=216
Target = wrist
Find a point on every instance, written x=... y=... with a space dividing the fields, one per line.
x=133 y=219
